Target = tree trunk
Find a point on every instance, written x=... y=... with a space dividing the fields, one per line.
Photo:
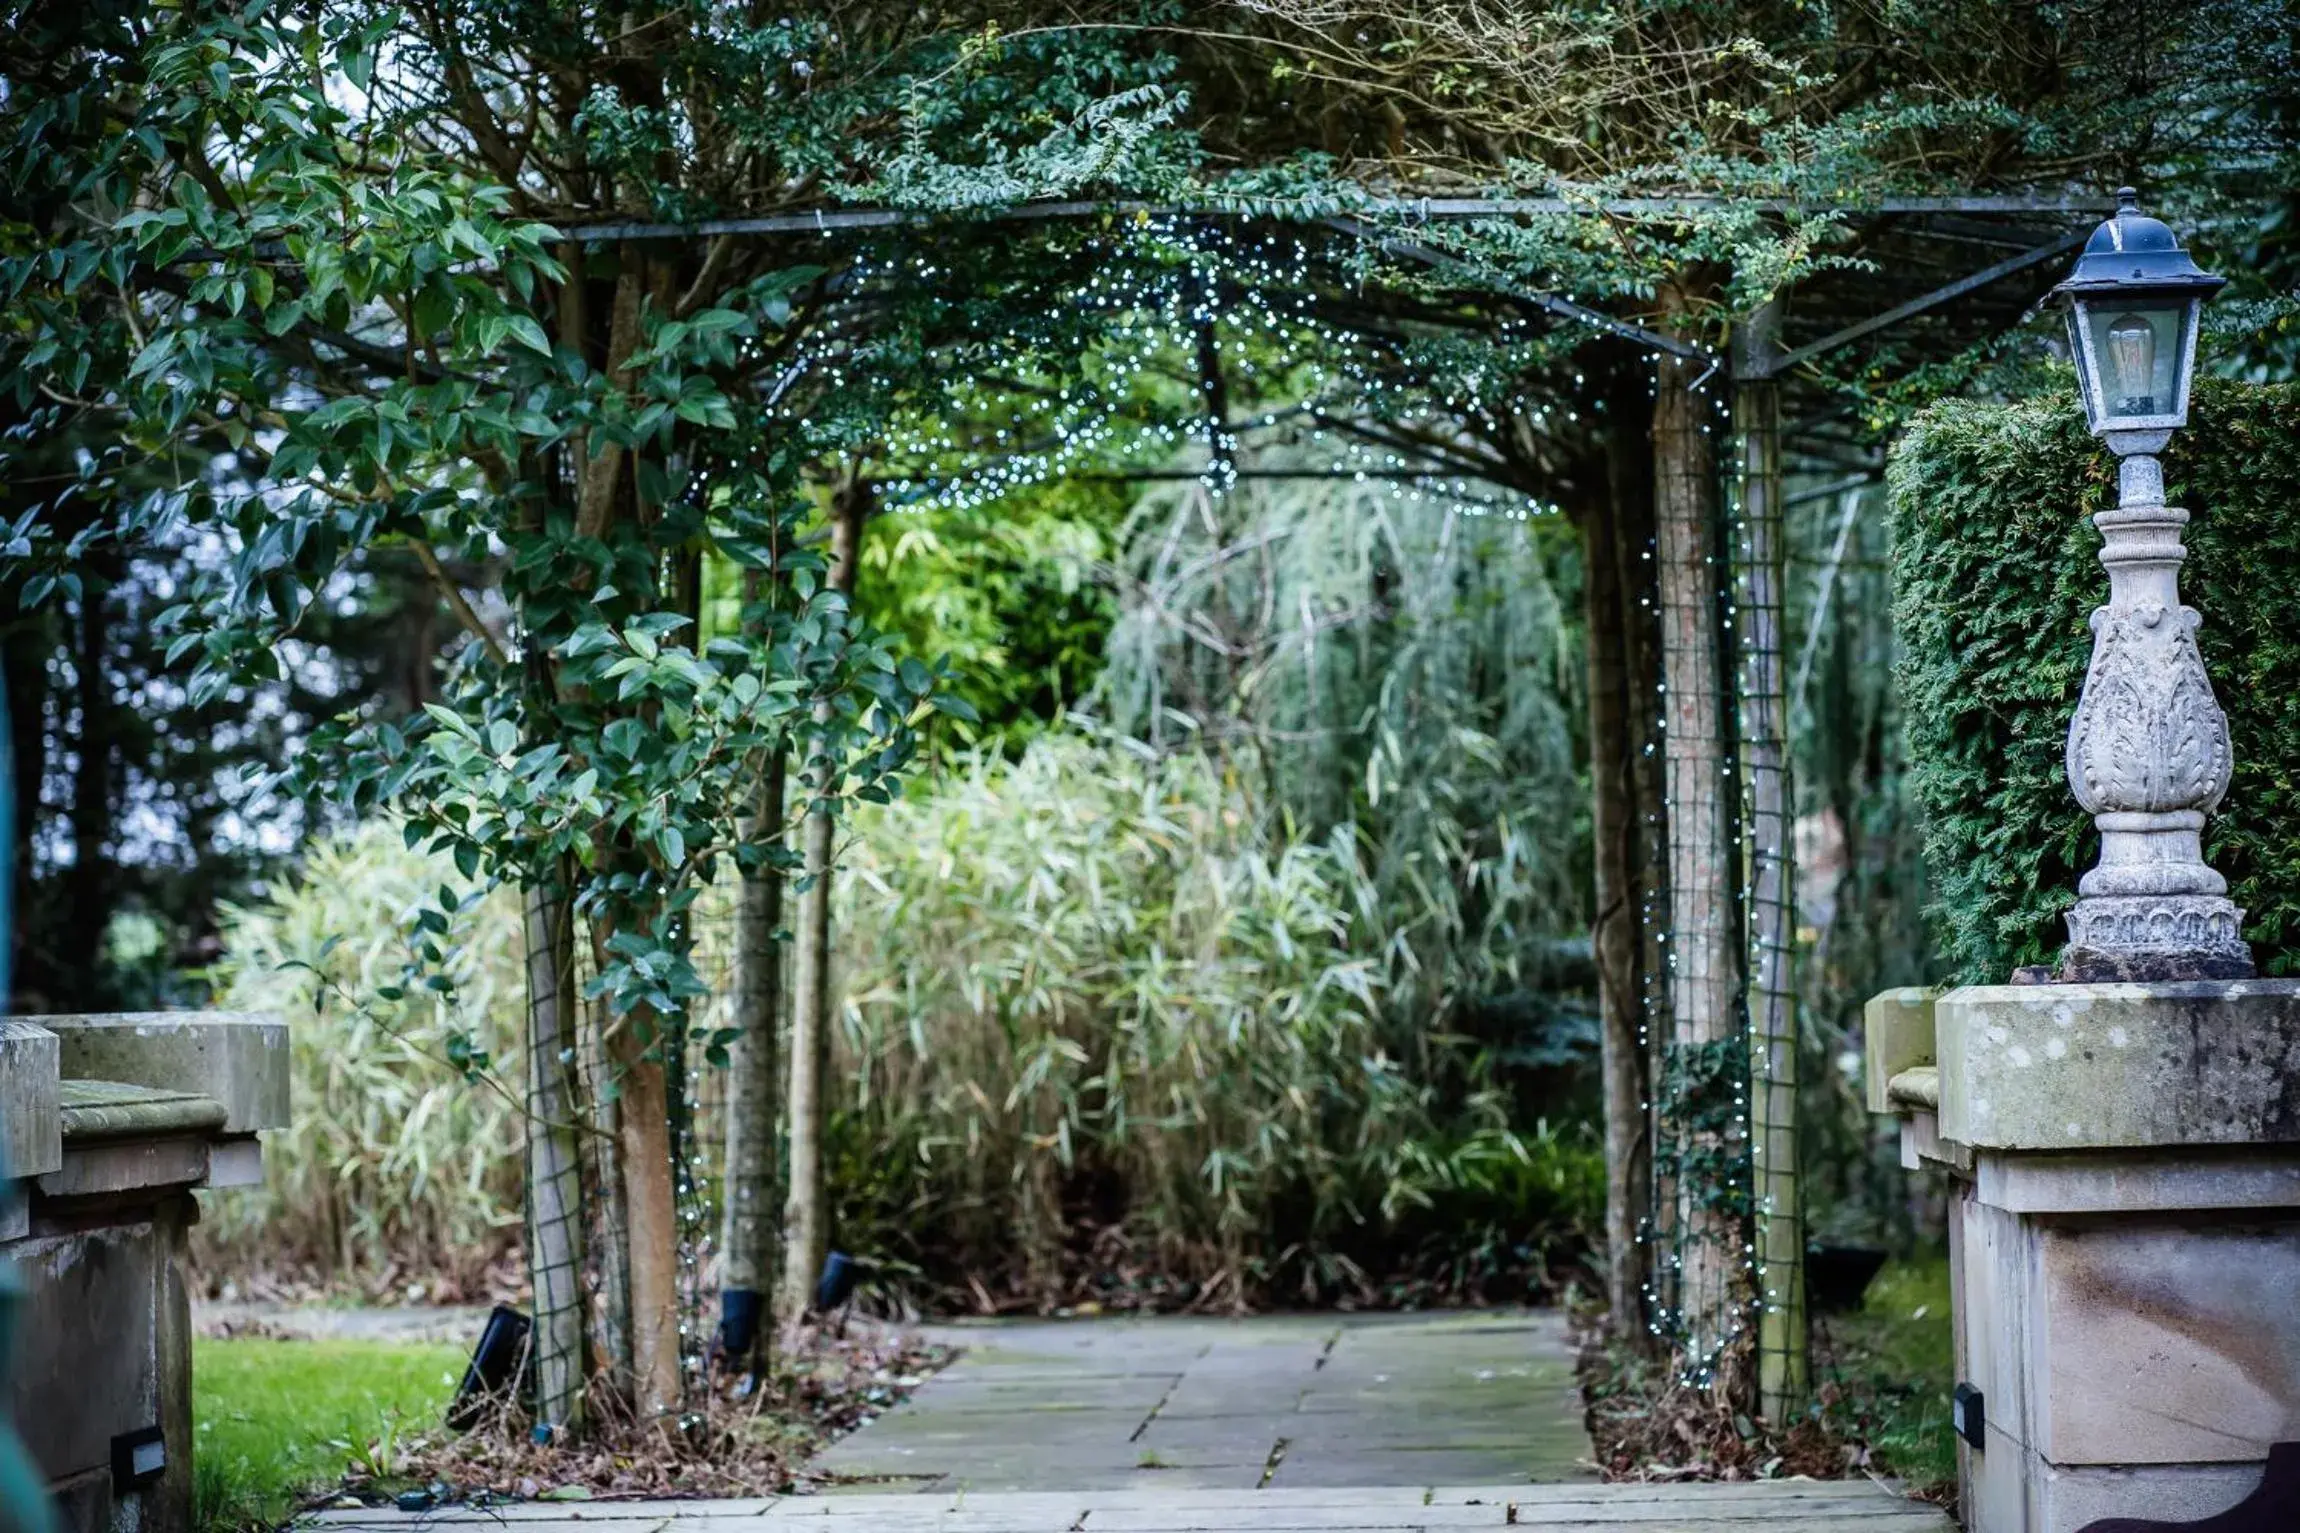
x=1707 y=1065
x=554 y=1161
x=610 y=1225
x=747 y=1192
x=806 y=1231
x=90 y=884
x=1781 y=1353
x=650 y=1211
x=1613 y=932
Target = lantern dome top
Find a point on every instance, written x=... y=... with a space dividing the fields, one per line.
x=2135 y=252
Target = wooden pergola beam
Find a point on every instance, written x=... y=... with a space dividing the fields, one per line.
x=1915 y=306
x=1564 y=308
x=1418 y=209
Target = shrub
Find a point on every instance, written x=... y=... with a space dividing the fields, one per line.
x=1099 y=1021
x=1996 y=577
x=1100 y=1016
x=391 y=1158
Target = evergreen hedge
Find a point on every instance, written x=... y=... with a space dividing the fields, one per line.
x=1995 y=576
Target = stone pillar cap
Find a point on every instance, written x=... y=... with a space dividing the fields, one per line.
x=2074 y=1067
x=239 y=1059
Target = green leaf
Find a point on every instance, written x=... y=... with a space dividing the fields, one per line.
x=448 y=719
x=955 y=706
x=529 y=334
x=623 y=738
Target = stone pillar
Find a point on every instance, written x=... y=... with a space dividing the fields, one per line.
x=2125 y=1238
x=110 y=1124
x=2126 y=1234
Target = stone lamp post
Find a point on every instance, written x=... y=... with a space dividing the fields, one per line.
x=2122 y=1141
x=2148 y=753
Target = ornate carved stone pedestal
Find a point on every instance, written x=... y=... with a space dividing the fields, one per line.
x=2148 y=758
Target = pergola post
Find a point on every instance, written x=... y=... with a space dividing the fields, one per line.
x=806 y=1206
x=1772 y=1002
x=1704 y=1080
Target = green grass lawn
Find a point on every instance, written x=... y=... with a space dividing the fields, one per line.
x=274 y=1420
x=1895 y=1362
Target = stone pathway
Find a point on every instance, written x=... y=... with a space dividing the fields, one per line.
x=1283 y=1402
x=1310 y=1424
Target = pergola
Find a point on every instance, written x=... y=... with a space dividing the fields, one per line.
x=1940 y=272
x=1933 y=276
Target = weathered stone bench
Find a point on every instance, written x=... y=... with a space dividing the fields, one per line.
x=108 y=1124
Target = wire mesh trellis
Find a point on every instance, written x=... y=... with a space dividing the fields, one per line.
x=554 y=1179
x=576 y=1225
x=1778 y=1237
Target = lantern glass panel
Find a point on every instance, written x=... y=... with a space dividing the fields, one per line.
x=2134 y=353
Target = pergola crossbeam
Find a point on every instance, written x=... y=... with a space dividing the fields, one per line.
x=1919 y=305
x=1564 y=308
x=1417 y=209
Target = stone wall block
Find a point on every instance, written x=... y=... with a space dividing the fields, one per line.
x=238 y=1058
x=2059 y=1067
x=2165 y=1343
x=1897 y=1029
x=2197 y=1181
x=87 y=1364
x=1991 y=1286
x=2064 y=1499
x=31 y=1130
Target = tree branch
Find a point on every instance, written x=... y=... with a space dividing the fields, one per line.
x=457 y=603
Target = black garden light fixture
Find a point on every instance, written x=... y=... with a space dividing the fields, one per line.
x=2133 y=302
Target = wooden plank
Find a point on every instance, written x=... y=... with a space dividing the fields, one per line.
x=1856 y=1506
x=524 y=1513
x=1751 y=1518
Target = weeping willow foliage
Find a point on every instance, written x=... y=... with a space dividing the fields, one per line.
x=392 y=1158
x=1109 y=1027
x=1391 y=665
x=1860 y=869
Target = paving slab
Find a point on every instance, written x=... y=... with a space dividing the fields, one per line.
x=1307 y=1400
x=1796 y=1506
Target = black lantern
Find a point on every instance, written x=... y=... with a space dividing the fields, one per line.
x=2133 y=303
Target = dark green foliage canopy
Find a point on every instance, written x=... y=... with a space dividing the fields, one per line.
x=1996 y=577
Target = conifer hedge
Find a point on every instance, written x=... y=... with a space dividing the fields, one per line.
x=1995 y=576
